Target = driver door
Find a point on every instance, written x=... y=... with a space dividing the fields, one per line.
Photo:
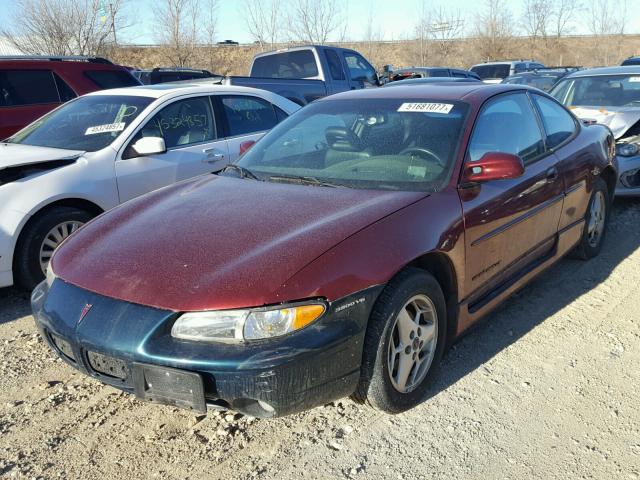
x=193 y=148
x=509 y=223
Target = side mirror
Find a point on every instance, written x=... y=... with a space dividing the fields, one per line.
x=493 y=166
x=149 y=146
x=244 y=146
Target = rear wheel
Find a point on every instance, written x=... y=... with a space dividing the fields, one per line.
x=40 y=238
x=404 y=342
x=596 y=221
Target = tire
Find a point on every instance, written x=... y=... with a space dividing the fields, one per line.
x=379 y=384
x=27 y=260
x=589 y=247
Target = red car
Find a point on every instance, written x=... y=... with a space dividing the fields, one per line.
x=33 y=86
x=339 y=256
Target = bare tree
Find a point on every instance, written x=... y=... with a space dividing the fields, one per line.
x=178 y=27
x=263 y=20
x=446 y=27
x=315 y=21
x=606 y=21
x=372 y=35
x=607 y=17
x=64 y=27
x=422 y=35
x=493 y=30
x=537 y=17
x=564 y=14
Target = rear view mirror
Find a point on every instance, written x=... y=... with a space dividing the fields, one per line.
x=149 y=146
x=493 y=166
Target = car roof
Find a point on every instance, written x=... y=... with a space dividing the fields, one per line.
x=433 y=91
x=504 y=62
x=169 y=89
x=620 y=70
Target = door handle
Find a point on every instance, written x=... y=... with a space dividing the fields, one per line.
x=213 y=158
x=552 y=174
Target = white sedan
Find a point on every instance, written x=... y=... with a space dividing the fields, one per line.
x=108 y=147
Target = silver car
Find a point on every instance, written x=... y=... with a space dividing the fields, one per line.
x=610 y=96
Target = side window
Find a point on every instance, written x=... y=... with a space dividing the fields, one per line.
x=359 y=68
x=335 y=67
x=247 y=115
x=27 y=87
x=111 y=78
x=520 y=67
x=182 y=123
x=507 y=124
x=441 y=72
x=558 y=123
x=459 y=74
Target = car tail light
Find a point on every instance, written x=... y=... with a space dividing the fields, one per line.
x=244 y=146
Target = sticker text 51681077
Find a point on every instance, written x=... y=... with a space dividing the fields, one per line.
x=426 y=107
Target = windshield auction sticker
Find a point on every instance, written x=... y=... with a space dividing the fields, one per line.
x=426 y=107
x=109 y=127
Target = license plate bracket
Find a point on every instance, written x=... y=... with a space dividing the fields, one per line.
x=169 y=386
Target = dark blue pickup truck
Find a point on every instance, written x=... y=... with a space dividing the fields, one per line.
x=304 y=74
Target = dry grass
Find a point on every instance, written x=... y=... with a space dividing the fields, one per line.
x=585 y=51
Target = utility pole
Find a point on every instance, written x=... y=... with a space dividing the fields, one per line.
x=113 y=24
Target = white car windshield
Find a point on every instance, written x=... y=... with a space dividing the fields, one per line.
x=599 y=91
x=385 y=144
x=88 y=123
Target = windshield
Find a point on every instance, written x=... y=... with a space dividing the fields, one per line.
x=88 y=123
x=380 y=144
x=500 y=70
x=543 y=82
x=599 y=91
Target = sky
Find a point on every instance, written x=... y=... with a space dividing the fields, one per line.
x=395 y=19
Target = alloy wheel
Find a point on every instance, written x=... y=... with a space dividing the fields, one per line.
x=597 y=217
x=412 y=346
x=53 y=239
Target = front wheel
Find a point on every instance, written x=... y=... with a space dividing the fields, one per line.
x=404 y=342
x=596 y=221
x=39 y=240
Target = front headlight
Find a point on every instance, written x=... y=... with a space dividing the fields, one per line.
x=627 y=149
x=240 y=325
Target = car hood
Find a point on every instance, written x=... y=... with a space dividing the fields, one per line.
x=618 y=119
x=216 y=242
x=16 y=155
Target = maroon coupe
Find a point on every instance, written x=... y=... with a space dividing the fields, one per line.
x=339 y=256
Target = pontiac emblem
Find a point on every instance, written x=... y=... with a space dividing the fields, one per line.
x=84 y=312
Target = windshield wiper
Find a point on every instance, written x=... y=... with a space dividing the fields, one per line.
x=303 y=180
x=243 y=172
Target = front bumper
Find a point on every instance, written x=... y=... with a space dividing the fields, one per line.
x=130 y=347
x=628 y=184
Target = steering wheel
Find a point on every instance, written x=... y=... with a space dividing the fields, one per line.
x=424 y=153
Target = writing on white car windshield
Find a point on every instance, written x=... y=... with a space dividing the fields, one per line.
x=381 y=144
x=88 y=123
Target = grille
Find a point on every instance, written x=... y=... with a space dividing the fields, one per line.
x=112 y=367
x=63 y=346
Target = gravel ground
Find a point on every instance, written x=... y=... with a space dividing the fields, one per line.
x=546 y=388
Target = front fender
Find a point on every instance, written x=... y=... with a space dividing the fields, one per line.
x=373 y=255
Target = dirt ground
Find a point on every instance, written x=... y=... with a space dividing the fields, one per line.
x=547 y=388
